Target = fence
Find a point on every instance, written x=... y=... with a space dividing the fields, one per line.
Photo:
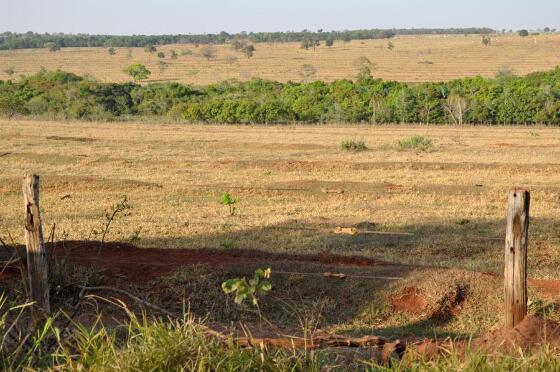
x=516 y=246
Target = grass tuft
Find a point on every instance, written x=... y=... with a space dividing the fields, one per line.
x=416 y=143
x=353 y=145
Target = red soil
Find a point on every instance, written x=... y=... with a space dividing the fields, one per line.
x=145 y=264
x=528 y=334
x=411 y=301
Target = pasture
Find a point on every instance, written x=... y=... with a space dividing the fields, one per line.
x=447 y=200
x=413 y=59
x=414 y=217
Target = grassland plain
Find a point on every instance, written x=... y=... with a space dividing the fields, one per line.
x=414 y=59
x=450 y=196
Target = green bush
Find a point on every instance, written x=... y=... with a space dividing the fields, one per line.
x=416 y=143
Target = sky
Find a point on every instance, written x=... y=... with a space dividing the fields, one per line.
x=124 y=17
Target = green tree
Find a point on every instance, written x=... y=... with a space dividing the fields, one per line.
x=249 y=50
x=329 y=41
x=523 y=33
x=137 y=71
x=53 y=47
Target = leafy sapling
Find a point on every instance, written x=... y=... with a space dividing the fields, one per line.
x=249 y=290
x=228 y=201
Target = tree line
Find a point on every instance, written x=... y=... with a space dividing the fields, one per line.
x=11 y=40
x=505 y=99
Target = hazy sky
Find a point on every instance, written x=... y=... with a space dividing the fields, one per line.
x=211 y=16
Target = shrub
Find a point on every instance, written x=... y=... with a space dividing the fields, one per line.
x=417 y=143
x=208 y=53
x=523 y=33
x=137 y=71
x=53 y=47
x=149 y=48
x=10 y=70
x=161 y=55
x=353 y=145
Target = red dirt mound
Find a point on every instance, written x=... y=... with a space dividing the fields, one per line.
x=530 y=333
x=411 y=301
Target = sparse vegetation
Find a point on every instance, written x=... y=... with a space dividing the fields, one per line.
x=307 y=72
x=10 y=70
x=208 y=52
x=149 y=48
x=162 y=65
x=112 y=51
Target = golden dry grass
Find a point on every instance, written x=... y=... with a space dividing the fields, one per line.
x=414 y=59
x=452 y=198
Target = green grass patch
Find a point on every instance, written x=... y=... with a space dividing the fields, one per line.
x=353 y=145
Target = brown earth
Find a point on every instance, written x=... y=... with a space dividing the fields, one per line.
x=141 y=265
x=411 y=301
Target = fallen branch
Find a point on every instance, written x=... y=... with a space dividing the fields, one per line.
x=316 y=342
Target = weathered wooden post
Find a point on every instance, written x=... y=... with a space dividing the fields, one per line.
x=515 y=273
x=36 y=260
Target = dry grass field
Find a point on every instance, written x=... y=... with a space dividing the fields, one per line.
x=450 y=199
x=414 y=59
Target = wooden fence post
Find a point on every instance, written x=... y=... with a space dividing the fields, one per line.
x=37 y=270
x=515 y=273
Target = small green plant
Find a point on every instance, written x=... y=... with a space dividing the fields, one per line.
x=252 y=289
x=227 y=244
x=417 y=143
x=353 y=145
x=228 y=201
